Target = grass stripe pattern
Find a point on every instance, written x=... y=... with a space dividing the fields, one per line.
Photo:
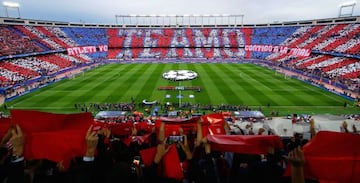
x=230 y=83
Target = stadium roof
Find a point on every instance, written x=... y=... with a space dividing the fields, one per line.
x=255 y=11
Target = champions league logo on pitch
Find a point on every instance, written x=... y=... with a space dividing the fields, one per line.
x=180 y=75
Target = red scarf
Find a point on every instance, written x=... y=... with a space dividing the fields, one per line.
x=170 y=164
x=247 y=144
x=56 y=137
x=332 y=157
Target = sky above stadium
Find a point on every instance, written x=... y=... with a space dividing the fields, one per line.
x=104 y=11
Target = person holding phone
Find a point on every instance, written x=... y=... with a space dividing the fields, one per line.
x=175 y=139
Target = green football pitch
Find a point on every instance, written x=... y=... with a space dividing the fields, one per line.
x=231 y=83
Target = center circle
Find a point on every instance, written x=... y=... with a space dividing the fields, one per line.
x=179 y=75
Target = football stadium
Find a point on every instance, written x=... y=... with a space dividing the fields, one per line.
x=180 y=98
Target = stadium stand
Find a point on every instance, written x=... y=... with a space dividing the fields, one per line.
x=12 y=42
x=334 y=47
x=35 y=64
x=29 y=52
x=21 y=70
x=34 y=34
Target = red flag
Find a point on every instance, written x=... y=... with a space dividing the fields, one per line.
x=57 y=146
x=215 y=130
x=172 y=127
x=144 y=126
x=148 y=155
x=36 y=121
x=213 y=119
x=333 y=156
x=213 y=124
x=247 y=144
x=77 y=121
x=56 y=137
x=139 y=139
x=121 y=129
x=170 y=164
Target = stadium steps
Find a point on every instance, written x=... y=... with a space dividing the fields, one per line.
x=341 y=40
x=20 y=70
x=16 y=31
x=314 y=61
x=306 y=36
x=35 y=42
x=33 y=37
x=52 y=36
x=351 y=75
x=61 y=62
x=354 y=50
x=299 y=41
x=334 y=30
x=3 y=80
x=343 y=63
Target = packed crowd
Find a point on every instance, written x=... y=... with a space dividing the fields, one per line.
x=35 y=64
x=109 y=159
x=163 y=108
x=43 y=37
x=12 y=43
x=188 y=157
x=9 y=78
x=335 y=40
x=92 y=106
x=18 y=70
x=340 y=38
x=196 y=43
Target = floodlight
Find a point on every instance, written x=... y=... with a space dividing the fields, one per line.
x=8 y=4
x=133 y=15
x=11 y=4
x=349 y=3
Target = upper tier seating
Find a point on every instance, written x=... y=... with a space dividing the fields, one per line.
x=163 y=43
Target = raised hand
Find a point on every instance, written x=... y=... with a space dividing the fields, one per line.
x=296 y=157
x=199 y=132
x=297 y=161
x=185 y=147
x=161 y=150
x=91 y=139
x=17 y=141
x=162 y=132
